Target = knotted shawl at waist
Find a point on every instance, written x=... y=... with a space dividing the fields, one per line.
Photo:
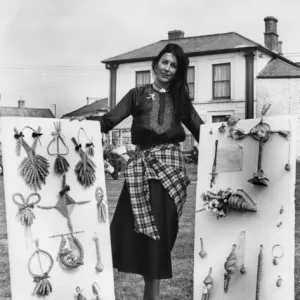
x=162 y=162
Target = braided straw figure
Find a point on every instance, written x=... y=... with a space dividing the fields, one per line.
x=85 y=169
x=96 y=291
x=78 y=295
x=34 y=167
x=208 y=284
x=43 y=286
x=25 y=214
x=61 y=165
x=230 y=266
x=64 y=201
x=70 y=258
x=99 y=267
x=102 y=212
x=259 y=273
x=261 y=132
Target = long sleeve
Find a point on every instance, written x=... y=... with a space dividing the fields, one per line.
x=193 y=121
x=121 y=111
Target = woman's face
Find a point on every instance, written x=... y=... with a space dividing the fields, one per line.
x=166 y=69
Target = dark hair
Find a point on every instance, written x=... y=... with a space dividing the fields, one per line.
x=178 y=87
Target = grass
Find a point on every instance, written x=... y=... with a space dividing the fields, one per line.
x=129 y=286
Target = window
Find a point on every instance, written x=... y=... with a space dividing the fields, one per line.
x=221 y=81
x=191 y=81
x=217 y=119
x=142 y=78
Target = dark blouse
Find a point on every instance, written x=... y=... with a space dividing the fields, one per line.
x=154 y=120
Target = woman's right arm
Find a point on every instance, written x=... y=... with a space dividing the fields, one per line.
x=121 y=111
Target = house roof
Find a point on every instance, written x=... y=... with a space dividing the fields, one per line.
x=97 y=106
x=277 y=68
x=197 y=46
x=25 y=112
x=191 y=46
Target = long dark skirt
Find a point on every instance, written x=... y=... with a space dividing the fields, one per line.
x=135 y=253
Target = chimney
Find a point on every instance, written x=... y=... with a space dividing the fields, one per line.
x=175 y=34
x=271 y=36
x=279 y=47
x=21 y=104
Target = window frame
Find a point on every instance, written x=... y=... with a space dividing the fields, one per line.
x=213 y=81
x=193 y=68
x=140 y=72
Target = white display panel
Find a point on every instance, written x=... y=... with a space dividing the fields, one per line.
x=51 y=222
x=261 y=228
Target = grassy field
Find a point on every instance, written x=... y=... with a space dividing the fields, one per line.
x=130 y=287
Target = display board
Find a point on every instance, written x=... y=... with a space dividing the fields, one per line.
x=57 y=219
x=245 y=212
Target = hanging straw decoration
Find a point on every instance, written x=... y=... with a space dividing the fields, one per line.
x=89 y=147
x=99 y=267
x=61 y=165
x=242 y=242
x=102 y=211
x=78 y=295
x=208 y=284
x=225 y=200
x=43 y=286
x=230 y=266
x=34 y=167
x=64 y=201
x=202 y=252
x=85 y=169
x=259 y=273
x=261 y=132
x=96 y=291
x=70 y=258
x=25 y=213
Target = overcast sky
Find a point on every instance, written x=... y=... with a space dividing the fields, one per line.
x=51 y=50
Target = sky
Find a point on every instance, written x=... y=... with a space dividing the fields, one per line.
x=51 y=50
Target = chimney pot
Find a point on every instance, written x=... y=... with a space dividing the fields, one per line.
x=21 y=104
x=175 y=34
x=271 y=36
x=279 y=47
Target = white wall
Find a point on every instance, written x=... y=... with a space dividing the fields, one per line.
x=284 y=94
x=204 y=104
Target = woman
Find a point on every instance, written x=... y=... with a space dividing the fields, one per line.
x=145 y=223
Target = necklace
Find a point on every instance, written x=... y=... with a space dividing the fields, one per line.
x=160 y=89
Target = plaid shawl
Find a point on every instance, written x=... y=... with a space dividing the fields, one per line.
x=161 y=162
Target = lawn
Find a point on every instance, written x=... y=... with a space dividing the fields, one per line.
x=130 y=287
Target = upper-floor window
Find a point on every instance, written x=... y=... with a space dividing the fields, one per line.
x=191 y=82
x=221 y=81
x=142 y=78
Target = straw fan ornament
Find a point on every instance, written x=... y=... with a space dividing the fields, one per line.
x=261 y=132
x=34 y=168
x=25 y=213
x=225 y=200
x=61 y=165
x=43 y=286
x=85 y=169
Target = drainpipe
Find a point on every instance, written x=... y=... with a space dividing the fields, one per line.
x=249 y=92
x=112 y=84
